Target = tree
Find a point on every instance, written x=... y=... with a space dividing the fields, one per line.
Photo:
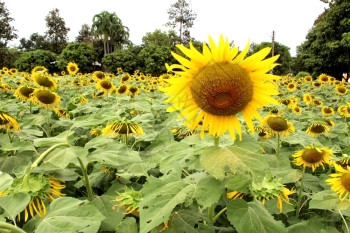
x=7 y=32
x=34 y=42
x=182 y=18
x=110 y=29
x=85 y=34
x=327 y=45
x=285 y=58
x=28 y=60
x=126 y=59
x=80 y=53
x=160 y=38
x=57 y=31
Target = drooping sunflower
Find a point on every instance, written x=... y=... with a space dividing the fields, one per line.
x=327 y=111
x=344 y=160
x=125 y=77
x=262 y=133
x=61 y=112
x=123 y=127
x=340 y=89
x=39 y=68
x=40 y=188
x=83 y=100
x=134 y=90
x=98 y=76
x=44 y=80
x=329 y=122
x=46 y=98
x=72 y=68
x=340 y=182
x=105 y=85
x=216 y=85
x=277 y=125
x=122 y=89
x=313 y=157
x=316 y=129
x=7 y=121
x=24 y=93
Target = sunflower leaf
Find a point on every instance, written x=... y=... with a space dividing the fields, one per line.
x=5 y=181
x=128 y=225
x=67 y=214
x=14 y=204
x=252 y=217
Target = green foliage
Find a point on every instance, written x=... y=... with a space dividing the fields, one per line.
x=284 y=60
x=302 y=74
x=28 y=60
x=57 y=33
x=80 y=53
x=126 y=59
x=327 y=45
x=8 y=57
x=160 y=38
x=85 y=35
x=34 y=42
x=154 y=57
x=7 y=32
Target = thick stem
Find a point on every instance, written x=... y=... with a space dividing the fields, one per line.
x=86 y=180
x=216 y=141
x=278 y=146
x=211 y=213
x=219 y=214
x=48 y=133
x=299 y=193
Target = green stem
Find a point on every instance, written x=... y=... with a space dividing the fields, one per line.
x=86 y=180
x=278 y=146
x=219 y=214
x=30 y=107
x=48 y=133
x=346 y=225
x=211 y=213
x=299 y=194
x=11 y=138
x=216 y=141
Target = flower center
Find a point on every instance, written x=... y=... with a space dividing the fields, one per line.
x=46 y=97
x=345 y=180
x=43 y=80
x=222 y=89
x=106 y=85
x=317 y=128
x=312 y=156
x=26 y=91
x=277 y=123
x=341 y=90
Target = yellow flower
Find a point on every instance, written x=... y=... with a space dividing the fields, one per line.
x=43 y=80
x=39 y=68
x=24 y=93
x=327 y=111
x=341 y=90
x=262 y=133
x=122 y=89
x=312 y=157
x=340 y=182
x=119 y=70
x=6 y=121
x=307 y=79
x=317 y=102
x=297 y=110
x=329 y=122
x=134 y=91
x=46 y=98
x=216 y=85
x=316 y=129
x=61 y=112
x=122 y=128
x=278 y=125
x=291 y=86
x=83 y=100
x=235 y=194
x=98 y=75
x=344 y=110
x=125 y=77
x=323 y=78
x=72 y=68
x=105 y=85
x=307 y=98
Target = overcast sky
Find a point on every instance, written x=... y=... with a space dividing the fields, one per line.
x=238 y=20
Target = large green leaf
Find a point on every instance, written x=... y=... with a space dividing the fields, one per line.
x=160 y=196
x=252 y=217
x=311 y=226
x=240 y=183
x=14 y=204
x=61 y=138
x=9 y=228
x=128 y=225
x=301 y=138
x=208 y=191
x=19 y=145
x=61 y=157
x=113 y=216
x=189 y=221
x=99 y=142
x=325 y=200
x=67 y=214
x=5 y=181
x=238 y=159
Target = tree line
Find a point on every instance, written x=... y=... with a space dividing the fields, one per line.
x=106 y=41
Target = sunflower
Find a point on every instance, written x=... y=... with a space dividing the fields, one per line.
x=344 y=110
x=44 y=80
x=297 y=110
x=323 y=78
x=316 y=84
x=317 y=102
x=307 y=79
x=83 y=100
x=98 y=94
x=262 y=133
x=105 y=85
x=134 y=91
x=341 y=90
x=124 y=127
x=46 y=98
x=40 y=188
x=98 y=75
x=125 y=77
x=13 y=72
x=340 y=182
x=316 y=129
x=329 y=122
x=274 y=111
x=72 y=68
x=327 y=111
x=4 y=87
x=24 y=93
x=122 y=89
x=291 y=86
x=344 y=160
x=307 y=98
x=313 y=157
x=235 y=194
x=129 y=200
x=95 y=132
x=61 y=112
x=277 y=125
x=6 y=121
x=39 y=68
x=216 y=85
x=119 y=70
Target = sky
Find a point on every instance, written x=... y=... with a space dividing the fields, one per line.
x=237 y=20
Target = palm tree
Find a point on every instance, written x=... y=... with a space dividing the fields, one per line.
x=110 y=28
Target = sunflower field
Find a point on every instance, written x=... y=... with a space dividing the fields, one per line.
x=217 y=144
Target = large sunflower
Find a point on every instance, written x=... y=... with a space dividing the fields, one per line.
x=277 y=125
x=6 y=121
x=340 y=182
x=46 y=98
x=312 y=157
x=24 y=93
x=72 y=68
x=44 y=80
x=214 y=86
